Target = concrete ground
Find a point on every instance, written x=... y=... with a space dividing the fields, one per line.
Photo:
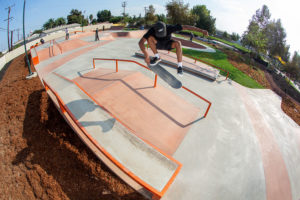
x=246 y=147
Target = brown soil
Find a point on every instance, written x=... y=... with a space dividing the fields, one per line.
x=41 y=157
x=253 y=71
x=288 y=105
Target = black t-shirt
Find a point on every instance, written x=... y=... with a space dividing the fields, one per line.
x=170 y=30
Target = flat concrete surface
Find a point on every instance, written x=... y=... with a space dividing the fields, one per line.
x=246 y=147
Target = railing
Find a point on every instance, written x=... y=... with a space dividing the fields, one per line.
x=155 y=80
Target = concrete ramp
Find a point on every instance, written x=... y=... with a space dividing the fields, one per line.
x=142 y=162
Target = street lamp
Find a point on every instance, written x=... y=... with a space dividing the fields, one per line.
x=31 y=74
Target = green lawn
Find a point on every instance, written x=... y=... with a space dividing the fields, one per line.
x=220 y=59
x=230 y=43
x=220 y=40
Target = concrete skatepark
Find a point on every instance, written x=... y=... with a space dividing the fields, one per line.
x=157 y=138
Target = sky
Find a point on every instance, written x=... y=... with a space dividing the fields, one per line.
x=231 y=15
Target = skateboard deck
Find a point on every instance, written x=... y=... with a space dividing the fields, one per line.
x=166 y=76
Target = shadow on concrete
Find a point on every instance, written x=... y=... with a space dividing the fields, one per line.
x=144 y=98
x=59 y=164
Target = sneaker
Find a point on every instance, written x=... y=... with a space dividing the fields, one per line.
x=179 y=71
x=154 y=61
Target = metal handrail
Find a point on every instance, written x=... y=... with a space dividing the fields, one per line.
x=155 y=81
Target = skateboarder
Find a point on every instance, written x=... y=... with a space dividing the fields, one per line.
x=96 y=35
x=159 y=37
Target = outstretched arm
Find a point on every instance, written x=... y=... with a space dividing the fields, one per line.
x=193 y=28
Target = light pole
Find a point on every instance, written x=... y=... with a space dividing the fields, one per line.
x=31 y=74
x=82 y=20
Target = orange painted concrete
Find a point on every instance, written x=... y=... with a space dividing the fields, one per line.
x=156 y=115
x=52 y=66
x=278 y=185
x=66 y=46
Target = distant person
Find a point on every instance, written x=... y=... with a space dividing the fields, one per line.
x=67 y=34
x=159 y=37
x=96 y=35
x=42 y=41
x=102 y=28
x=191 y=37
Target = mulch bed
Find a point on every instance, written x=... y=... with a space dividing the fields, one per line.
x=41 y=157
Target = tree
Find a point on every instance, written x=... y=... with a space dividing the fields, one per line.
x=235 y=36
x=75 y=16
x=254 y=38
x=49 y=24
x=150 y=17
x=162 y=18
x=91 y=17
x=205 y=20
x=293 y=67
x=94 y=21
x=179 y=13
x=60 y=21
x=262 y=17
x=276 y=35
x=115 y=19
x=103 y=16
x=225 y=35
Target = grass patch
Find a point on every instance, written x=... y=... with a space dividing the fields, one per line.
x=220 y=59
x=230 y=44
x=220 y=40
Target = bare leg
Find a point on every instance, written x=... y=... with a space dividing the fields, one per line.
x=152 y=44
x=177 y=46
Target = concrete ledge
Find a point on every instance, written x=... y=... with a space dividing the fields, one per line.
x=198 y=68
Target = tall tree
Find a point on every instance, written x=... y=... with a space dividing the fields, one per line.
x=293 y=67
x=262 y=17
x=150 y=16
x=162 y=18
x=91 y=17
x=75 y=16
x=205 y=20
x=103 y=16
x=49 y=24
x=255 y=35
x=60 y=21
x=276 y=35
x=179 y=13
x=254 y=38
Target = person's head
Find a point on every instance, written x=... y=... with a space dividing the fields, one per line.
x=160 y=29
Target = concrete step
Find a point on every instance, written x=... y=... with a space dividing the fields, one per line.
x=189 y=64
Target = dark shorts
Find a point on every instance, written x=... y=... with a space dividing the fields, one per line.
x=164 y=45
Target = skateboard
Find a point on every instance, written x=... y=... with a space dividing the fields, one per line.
x=166 y=76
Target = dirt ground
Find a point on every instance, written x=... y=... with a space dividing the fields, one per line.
x=41 y=157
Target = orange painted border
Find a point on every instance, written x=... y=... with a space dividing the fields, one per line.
x=157 y=194
x=155 y=81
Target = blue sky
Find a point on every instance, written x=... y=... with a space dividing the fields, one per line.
x=231 y=15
